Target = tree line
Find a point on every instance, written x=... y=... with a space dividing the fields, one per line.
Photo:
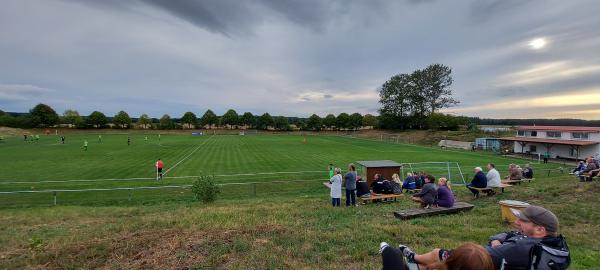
x=43 y=115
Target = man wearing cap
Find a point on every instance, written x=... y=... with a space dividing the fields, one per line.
x=479 y=181
x=536 y=224
x=509 y=250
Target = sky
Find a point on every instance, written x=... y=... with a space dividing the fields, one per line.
x=509 y=58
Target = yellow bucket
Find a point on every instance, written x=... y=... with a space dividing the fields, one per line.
x=506 y=205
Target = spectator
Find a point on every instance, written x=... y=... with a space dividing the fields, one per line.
x=336 y=187
x=468 y=256
x=409 y=182
x=387 y=187
x=493 y=176
x=350 y=178
x=579 y=168
x=445 y=197
x=528 y=172
x=428 y=194
x=590 y=166
x=479 y=181
x=396 y=184
x=509 y=250
x=546 y=156
x=377 y=184
x=362 y=188
x=514 y=172
x=420 y=180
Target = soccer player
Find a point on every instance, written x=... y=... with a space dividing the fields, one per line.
x=62 y=139
x=331 y=172
x=145 y=138
x=99 y=138
x=85 y=145
x=128 y=140
x=159 y=168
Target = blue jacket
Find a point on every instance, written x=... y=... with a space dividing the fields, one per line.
x=479 y=180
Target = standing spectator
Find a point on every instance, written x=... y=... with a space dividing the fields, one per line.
x=445 y=197
x=428 y=193
x=336 y=187
x=330 y=168
x=350 y=179
x=546 y=156
x=493 y=176
x=479 y=181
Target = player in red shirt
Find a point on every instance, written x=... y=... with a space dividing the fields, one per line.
x=159 y=168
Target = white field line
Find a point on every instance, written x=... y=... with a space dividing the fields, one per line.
x=190 y=154
x=152 y=178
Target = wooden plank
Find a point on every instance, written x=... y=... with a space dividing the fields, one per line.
x=380 y=197
x=421 y=212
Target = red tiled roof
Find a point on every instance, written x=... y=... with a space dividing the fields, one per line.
x=552 y=141
x=560 y=128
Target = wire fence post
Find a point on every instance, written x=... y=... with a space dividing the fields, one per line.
x=54 y=194
x=254 y=189
x=130 y=194
x=448 y=165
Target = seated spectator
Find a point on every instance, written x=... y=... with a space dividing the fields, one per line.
x=590 y=166
x=528 y=172
x=479 y=181
x=396 y=184
x=493 y=176
x=409 y=182
x=420 y=180
x=387 y=187
x=428 y=193
x=508 y=250
x=580 y=167
x=468 y=256
x=362 y=188
x=377 y=184
x=445 y=197
x=514 y=172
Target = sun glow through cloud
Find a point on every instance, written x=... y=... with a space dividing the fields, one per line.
x=537 y=44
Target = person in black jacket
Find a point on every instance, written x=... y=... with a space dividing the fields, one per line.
x=362 y=188
x=378 y=186
x=479 y=181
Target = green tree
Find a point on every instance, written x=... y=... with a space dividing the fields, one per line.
x=343 y=121
x=396 y=98
x=144 y=121
x=436 y=89
x=356 y=120
x=165 y=122
x=209 y=119
x=97 y=119
x=248 y=119
x=230 y=118
x=265 y=121
x=369 y=121
x=122 y=120
x=314 y=123
x=189 y=120
x=330 y=121
x=71 y=117
x=44 y=115
x=281 y=123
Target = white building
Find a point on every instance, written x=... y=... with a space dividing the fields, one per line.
x=559 y=141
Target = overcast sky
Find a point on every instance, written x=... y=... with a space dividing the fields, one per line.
x=510 y=58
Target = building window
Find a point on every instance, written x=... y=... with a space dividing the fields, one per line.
x=534 y=134
x=521 y=133
x=532 y=149
x=580 y=135
x=553 y=134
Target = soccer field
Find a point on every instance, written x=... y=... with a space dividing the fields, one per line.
x=281 y=163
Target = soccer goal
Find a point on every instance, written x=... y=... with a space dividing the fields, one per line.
x=390 y=138
x=450 y=170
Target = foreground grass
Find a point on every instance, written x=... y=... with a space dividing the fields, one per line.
x=288 y=231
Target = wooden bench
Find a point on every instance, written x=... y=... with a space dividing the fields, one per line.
x=421 y=212
x=380 y=197
x=517 y=181
x=416 y=190
x=501 y=187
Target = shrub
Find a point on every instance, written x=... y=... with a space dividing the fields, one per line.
x=205 y=189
